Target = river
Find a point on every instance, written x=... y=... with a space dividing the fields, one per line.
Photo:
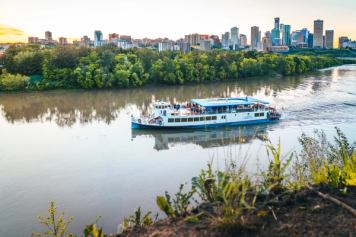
x=76 y=147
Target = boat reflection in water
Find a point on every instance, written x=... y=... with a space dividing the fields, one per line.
x=206 y=138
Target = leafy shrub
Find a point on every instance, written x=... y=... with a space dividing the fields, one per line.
x=239 y=197
x=178 y=206
x=210 y=184
x=326 y=163
x=11 y=82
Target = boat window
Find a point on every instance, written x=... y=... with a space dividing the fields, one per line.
x=170 y=120
x=184 y=119
x=196 y=119
x=262 y=114
x=190 y=119
x=214 y=118
x=257 y=114
x=202 y=118
x=208 y=118
x=177 y=120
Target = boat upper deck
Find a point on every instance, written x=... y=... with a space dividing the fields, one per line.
x=223 y=102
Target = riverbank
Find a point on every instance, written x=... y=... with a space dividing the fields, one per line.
x=300 y=213
x=32 y=68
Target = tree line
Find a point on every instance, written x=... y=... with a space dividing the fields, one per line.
x=33 y=67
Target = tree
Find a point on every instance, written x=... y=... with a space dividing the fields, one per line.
x=10 y=82
x=249 y=67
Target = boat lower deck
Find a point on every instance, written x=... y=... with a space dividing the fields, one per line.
x=212 y=125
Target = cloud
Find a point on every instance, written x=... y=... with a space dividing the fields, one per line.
x=11 y=34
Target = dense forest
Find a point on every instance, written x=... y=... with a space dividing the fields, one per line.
x=34 y=68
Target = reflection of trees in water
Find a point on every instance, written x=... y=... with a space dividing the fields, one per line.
x=206 y=138
x=71 y=106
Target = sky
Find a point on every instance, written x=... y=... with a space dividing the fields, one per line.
x=167 y=18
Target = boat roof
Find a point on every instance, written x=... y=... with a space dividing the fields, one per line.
x=218 y=102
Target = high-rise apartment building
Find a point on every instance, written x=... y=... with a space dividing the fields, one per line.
x=33 y=40
x=311 y=40
x=193 y=39
x=85 y=41
x=318 y=34
x=235 y=38
x=329 y=39
x=98 y=38
x=342 y=40
x=216 y=41
x=62 y=41
x=48 y=36
x=225 y=40
x=243 y=41
x=205 y=45
x=255 y=37
x=286 y=33
x=267 y=41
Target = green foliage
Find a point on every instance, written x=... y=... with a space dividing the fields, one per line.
x=93 y=231
x=29 y=62
x=274 y=177
x=108 y=67
x=137 y=220
x=56 y=225
x=210 y=184
x=11 y=82
x=239 y=197
x=326 y=163
x=178 y=206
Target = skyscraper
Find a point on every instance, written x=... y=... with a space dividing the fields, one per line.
x=329 y=39
x=276 y=32
x=243 y=41
x=276 y=23
x=286 y=35
x=318 y=33
x=62 y=41
x=85 y=41
x=48 y=35
x=255 y=37
x=311 y=40
x=98 y=38
x=235 y=38
x=225 y=40
x=267 y=41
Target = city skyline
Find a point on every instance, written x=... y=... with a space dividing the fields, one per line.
x=142 y=19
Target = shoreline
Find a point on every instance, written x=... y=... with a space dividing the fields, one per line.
x=162 y=85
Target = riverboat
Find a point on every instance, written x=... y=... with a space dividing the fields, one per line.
x=204 y=113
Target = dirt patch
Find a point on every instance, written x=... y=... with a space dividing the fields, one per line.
x=303 y=213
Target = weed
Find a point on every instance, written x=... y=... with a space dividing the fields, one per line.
x=56 y=226
x=138 y=220
x=210 y=184
x=178 y=206
x=274 y=177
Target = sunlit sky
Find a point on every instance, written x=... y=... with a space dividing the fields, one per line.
x=167 y=18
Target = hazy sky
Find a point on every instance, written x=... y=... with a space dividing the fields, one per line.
x=167 y=18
